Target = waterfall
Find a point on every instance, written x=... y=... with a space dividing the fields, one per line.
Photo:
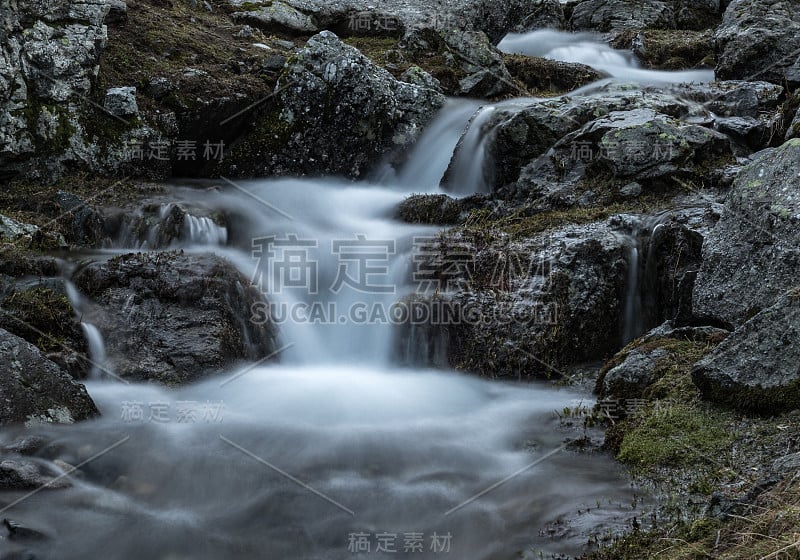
x=633 y=300
x=97 y=349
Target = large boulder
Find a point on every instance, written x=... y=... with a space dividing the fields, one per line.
x=752 y=256
x=34 y=390
x=760 y=39
x=757 y=368
x=336 y=113
x=173 y=317
x=519 y=307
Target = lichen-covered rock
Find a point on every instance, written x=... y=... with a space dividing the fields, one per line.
x=276 y=16
x=636 y=373
x=121 y=102
x=173 y=317
x=543 y=14
x=34 y=390
x=753 y=254
x=757 y=368
x=48 y=57
x=760 y=40
x=337 y=113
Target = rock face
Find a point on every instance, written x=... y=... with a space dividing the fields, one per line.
x=34 y=390
x=760 y=40
x=171 y=317
x=605 y=15
x=757 y=368
x=752 y=256
x=48 y=57
x=338 y=113
x=522 y=308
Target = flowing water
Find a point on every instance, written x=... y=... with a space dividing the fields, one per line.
x=336 y=452
x=587 y=48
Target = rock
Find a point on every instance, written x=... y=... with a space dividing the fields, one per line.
x=668 y=49
x=631 y=190
x=34 y=390
x=636 y=373
x=787 y=463
x=752 y=256
x=793 y=130
x=18 y=532
x=173 y=317
x=419 y=77
x=746 y=130
x=429 y=209
x=760 y=40
x=522 y=308
x=337 y=113
x=545 y=75
x=605 y=15
x=28 y=445
x=11 y=230
x=118 y=12
x=159 y=87
x=82 y=224
x=543 y=14
x=121 y=102
x=278 y=17
x=20 y=474
x=734 y=98
x=756 y=368
x=487 y=74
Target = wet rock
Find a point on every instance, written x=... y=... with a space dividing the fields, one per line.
x=752 y=256
x=668 y=49
x=21 y=474
x=734 y=98
x=760 y=40
x=337 y=113
x=749 y=131
x=756 y=369
x=430 y=209
x=18 y=532
x=34 y=390
x=28 y=445
x=520 y=308
x=173 y=317
x=545 y=75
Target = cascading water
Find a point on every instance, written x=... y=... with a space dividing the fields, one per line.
x=318 y=456
x=587 y=48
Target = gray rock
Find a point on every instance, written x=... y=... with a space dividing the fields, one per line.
x=338 y=113
x=635 y=374
x=173 y=317
x=159 y=87
x=543 y=14
x=23 y=474
x=11 y=230
x=631 y=190
x=34 y=390
x=118 y=12
x=787 y=463
x=419 y=77
x=760 y=40
x=278 y=16
x=747 y=130
x=121 y=102
x=793 y=130
x=734 y=98
x=83 y=224
x=605 y=15
x=488 y=76
x=757 y=368
x=753 y=254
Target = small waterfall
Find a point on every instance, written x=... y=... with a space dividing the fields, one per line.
x=203 y=231
x=469 y=166
x=97 y=349
x=633 y=301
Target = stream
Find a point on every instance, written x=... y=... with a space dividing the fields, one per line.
x=338 y=450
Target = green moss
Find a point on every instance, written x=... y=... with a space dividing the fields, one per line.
x=40 y=316
x=429 y=209
x=674 y=434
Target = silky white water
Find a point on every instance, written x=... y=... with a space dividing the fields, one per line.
x=335 y=444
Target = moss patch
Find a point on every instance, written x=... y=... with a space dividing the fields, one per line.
x=41 y=316
x=670 y=49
